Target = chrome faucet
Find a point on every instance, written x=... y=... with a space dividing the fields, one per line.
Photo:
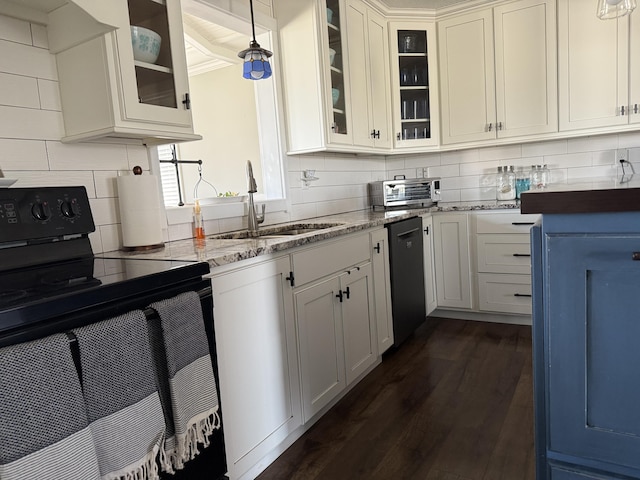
x=255 y=219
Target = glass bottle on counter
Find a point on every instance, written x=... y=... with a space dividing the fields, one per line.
x=523 y=182
x=539 y=177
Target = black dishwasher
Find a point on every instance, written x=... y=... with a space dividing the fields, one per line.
x=407 y=277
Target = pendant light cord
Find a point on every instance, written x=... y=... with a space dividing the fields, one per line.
x=253 y=26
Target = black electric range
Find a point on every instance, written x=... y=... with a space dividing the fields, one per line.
x=51 y=282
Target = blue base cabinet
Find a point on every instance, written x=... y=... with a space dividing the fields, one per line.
x=586 y=324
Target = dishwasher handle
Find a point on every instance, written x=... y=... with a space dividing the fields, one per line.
x=408 y=232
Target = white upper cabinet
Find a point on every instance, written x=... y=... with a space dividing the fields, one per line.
x=414 y=84
x=599 y=67
x=105 y=92
x=369 y=75
x=498 y=72
x=334 y=56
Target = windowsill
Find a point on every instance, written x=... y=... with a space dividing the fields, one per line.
x=184 y=214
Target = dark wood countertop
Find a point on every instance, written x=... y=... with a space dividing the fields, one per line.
x=568 y=199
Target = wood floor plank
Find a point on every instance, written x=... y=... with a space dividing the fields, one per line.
x=454 y=402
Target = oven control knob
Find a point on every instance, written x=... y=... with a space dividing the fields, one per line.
x=41 y=211
x=69 y=208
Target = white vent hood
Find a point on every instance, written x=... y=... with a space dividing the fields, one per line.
x=90 y=18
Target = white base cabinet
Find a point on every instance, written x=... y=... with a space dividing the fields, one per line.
x=452 y=260
x=430 y=295
x=382 y=288
x=258 y=360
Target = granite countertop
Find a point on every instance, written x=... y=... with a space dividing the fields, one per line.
x=587 y=197
x=223 y=251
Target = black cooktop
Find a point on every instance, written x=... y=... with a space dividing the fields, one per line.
x=37 y=293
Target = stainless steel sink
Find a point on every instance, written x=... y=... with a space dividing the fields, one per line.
x=277 y=232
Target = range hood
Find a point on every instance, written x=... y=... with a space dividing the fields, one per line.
x=90 y=18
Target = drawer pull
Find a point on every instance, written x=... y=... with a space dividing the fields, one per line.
x=521 y=294
x=523 y=223
x=521 y=254
x=636 y=255
x=408 y=232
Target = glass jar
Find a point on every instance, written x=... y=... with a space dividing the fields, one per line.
x=505 y=184
x=535 y=177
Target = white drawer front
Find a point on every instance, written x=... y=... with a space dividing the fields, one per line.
x=505 y=222
x=504 y=254
x=330 y=257
x=504 y=293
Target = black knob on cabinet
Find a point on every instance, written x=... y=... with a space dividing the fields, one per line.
x=40 y=211
x=69 y=208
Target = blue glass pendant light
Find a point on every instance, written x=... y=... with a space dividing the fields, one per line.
x=256 y=59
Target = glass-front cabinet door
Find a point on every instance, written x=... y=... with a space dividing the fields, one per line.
x=153 y=63
x=414 y=84
x=340 y=126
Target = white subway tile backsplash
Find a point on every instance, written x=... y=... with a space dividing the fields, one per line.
x=26 y=60
x=49 y=95
x=605 y=157
x=105 y=183
x=23 y=154
x=460 y=156
x=18 y=91
x=443 y=171
x=58 y=179
x=111 y=237
x=503 y=152
x=29 y=123
x=96 y=241
x=471 y=194
x=600 y=172
x=138 y=155
x=303 y=210
x=89 y=156
x=537 y=149
x=450 y=196
x=15 y=30
x=481 y=168
x=628 y=139
x=105 y=211
x=429 y=160
x=39 y=36
x=590 y=144
x=583 y=159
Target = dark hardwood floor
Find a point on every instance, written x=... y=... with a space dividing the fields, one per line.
x=454 y=402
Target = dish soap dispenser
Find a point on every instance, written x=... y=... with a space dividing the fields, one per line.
x=198 y=222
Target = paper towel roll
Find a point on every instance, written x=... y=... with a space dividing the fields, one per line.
x=141 y=215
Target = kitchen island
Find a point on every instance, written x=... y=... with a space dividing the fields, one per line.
x=586 y=274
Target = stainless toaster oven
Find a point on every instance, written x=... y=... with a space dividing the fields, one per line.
x=404 y=192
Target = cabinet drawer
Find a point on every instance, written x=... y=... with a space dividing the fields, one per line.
x=504 y=293
x=504 y=254
x=505 y=222
x=328 y=258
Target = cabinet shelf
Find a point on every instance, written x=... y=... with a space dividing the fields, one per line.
x=336 y=70
x=414 y=87
x=413 y=55
x=333 y=27
x=338 y=111
x=152 y=66
x=415 y=120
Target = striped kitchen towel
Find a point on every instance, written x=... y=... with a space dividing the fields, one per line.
x=123 y=405
x=185 y=375
x=44 y=432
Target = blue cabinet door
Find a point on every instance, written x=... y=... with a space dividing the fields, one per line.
x=592 y=322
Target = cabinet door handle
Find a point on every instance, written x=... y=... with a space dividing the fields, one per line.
x=187 y=101
x=499 y=126
x=398 y=136
x=377 y=247
x=291 y=279
x=635 y=108
x=375 y=133
x=426 y=231
x=339 y=295
x=622 y=111
x=521 y=294
x=347 y=292
x=521 y=254
x=522 y=223
x=490 y=127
